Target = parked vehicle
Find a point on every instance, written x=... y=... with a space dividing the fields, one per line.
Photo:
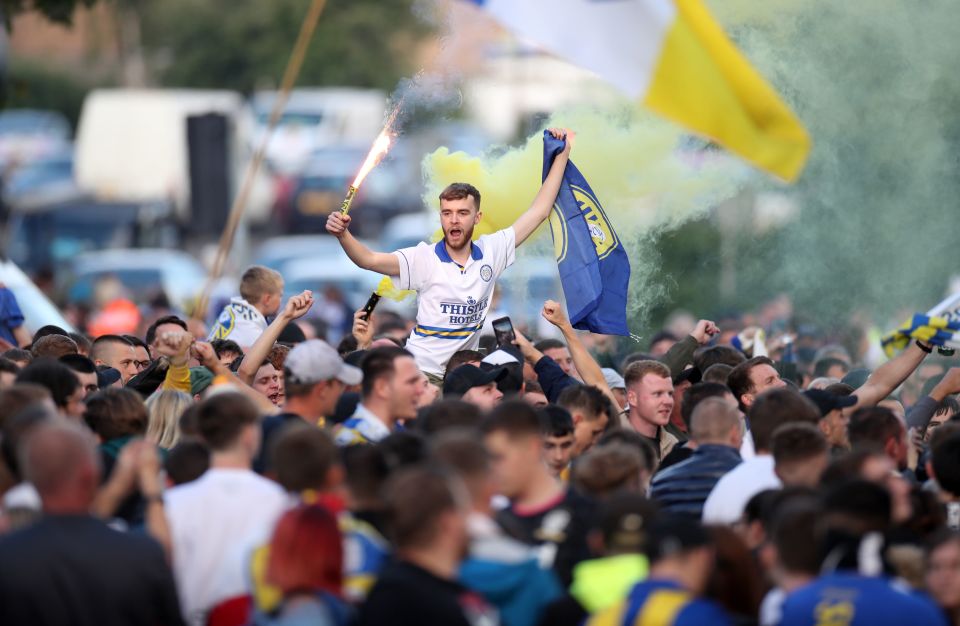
x=320 y=273
x=51 y=235
x=28 y=134
x=145 y=273
x=314 y=119
x=37 y=309
x=132 y=146
x=277 y=252
x=42 y=181
x=320 y=189
x=526 y=285
x=405 y=231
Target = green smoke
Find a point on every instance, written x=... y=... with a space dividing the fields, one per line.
x=876 y=85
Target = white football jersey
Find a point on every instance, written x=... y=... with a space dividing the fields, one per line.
x=452 y=300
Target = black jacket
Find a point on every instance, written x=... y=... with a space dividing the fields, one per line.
x=66 y=570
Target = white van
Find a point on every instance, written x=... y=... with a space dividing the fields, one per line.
x=131 y=145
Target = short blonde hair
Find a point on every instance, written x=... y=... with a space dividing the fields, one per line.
x=259 y=281
x=638 y=369
x=165 y=407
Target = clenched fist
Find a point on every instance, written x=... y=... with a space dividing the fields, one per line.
x=337 y=224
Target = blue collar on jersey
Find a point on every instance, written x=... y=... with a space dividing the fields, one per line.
x=475 y=252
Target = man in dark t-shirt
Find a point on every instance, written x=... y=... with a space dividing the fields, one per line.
x=542 y=511
x=69 y=567
x=427 y=514
x=559 y=526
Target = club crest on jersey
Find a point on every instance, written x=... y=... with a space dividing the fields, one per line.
x=598 y=226
x=486 y=273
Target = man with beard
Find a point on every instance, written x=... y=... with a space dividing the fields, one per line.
x=455 y=278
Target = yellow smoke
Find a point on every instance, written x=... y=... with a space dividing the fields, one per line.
x=634 y=163
x=386 y=289
x=631 y=161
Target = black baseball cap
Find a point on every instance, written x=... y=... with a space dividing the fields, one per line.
x=672 y=535
x=691 y=375
x=827 y=401
x=107 y=376
x=466 y=377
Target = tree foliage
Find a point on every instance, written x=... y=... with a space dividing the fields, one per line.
x=245 y=44
x=59 y=11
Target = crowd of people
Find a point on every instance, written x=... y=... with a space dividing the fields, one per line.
x=173 y=480
x=425 y=472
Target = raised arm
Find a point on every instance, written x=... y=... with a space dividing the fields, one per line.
x=542 y=204
x=207 y=356
x=384 y=263
x=681 y=354
x=297 y=306
x=586 y=365
x=888 y=377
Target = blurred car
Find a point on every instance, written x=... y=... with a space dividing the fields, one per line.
x=405 y=231
x=145 y=273
x=320 y=273
x=29 y=134
x=45 y=180
x=525 y=286
x=277 y=252
x=132 y=145
x=316 y=118
x=47 y=236
x=321 y=187
x=37 y=309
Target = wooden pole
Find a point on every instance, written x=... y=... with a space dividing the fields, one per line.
x=239 y=205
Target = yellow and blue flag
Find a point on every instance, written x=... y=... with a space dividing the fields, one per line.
x=593 y=264
x=936 y=330
x=675 y=59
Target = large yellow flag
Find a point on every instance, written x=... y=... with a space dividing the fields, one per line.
x=673 y=57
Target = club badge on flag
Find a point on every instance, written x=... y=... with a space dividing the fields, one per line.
x=593 y=264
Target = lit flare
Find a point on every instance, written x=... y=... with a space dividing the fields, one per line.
x=379 y=149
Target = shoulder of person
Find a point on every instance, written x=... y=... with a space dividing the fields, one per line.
x=700 y=611
x=145 y=545
x=578 y=501
x=501 y=235
x=422 y=248
x=916 y=602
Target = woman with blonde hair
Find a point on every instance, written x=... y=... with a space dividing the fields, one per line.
x=165 y=407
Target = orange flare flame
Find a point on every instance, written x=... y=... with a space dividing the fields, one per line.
x=379 y=150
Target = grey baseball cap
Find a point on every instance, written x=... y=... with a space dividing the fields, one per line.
x=314 y=361
x=614 y=380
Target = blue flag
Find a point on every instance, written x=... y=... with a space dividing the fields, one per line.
x=594 y=268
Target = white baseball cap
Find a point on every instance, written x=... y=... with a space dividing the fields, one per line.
x=500 y=357
x=314 y=361
x=614 y=380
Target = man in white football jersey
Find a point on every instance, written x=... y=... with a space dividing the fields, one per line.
x=454 y=278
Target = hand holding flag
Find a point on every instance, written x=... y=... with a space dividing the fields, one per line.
x=594 y=268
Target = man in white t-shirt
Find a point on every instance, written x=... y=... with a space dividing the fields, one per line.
x=770 y=410
x=215 y=522
x=454 y=278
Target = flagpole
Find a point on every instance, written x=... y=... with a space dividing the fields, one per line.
x=294 y=64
